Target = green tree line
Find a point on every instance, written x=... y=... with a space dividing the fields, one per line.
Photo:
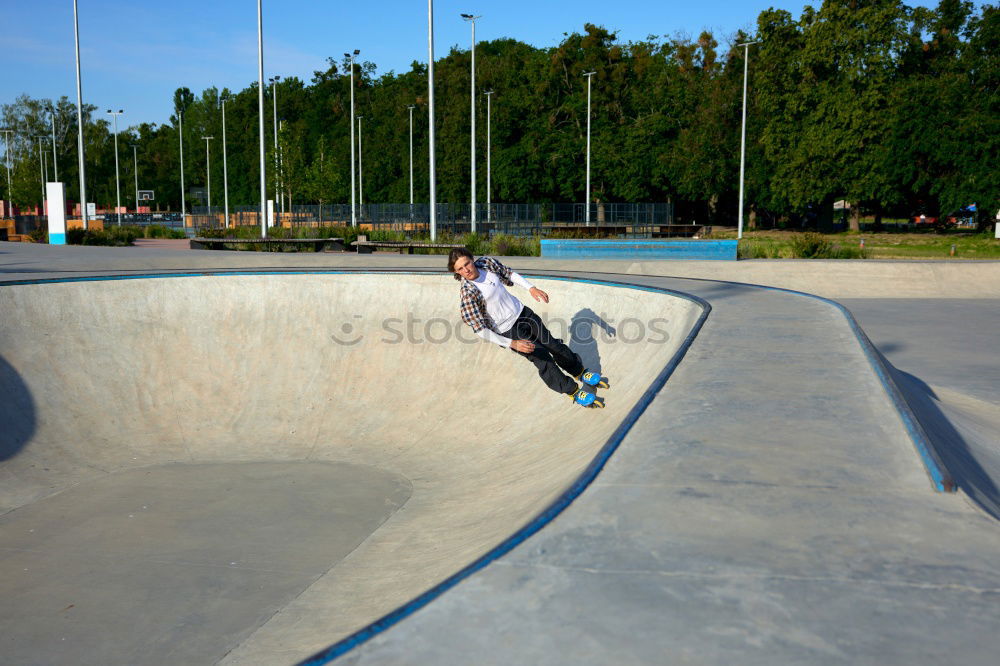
x=891 y=108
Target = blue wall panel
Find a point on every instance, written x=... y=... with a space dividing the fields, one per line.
x=639 y=249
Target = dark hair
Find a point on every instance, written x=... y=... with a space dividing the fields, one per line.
x=454 y=256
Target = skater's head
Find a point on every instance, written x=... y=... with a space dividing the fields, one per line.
x=461 y=263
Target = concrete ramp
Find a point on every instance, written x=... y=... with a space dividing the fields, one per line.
x=194 y=469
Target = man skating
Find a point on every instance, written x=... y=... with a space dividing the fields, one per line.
x=498 y=316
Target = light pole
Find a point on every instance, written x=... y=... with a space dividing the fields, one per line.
x=411 y=107
x=274 y=98
x=135 y=172
x=472 y=136
x=118 y=189
x=430 y=114
x=180 y=138
x=41 y=169
x=489 y=200
x=208 y=172
x=260 y=118
x=6 y=155
x=55 y=167
x=361 y=189
x=354 y=213
x=225 y=172
x=586 y=202
x=79 y=121
x=743 y=135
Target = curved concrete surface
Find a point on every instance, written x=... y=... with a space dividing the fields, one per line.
x=124 y=390
x=767 y=507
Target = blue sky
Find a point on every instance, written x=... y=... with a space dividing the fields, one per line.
x=135 y=54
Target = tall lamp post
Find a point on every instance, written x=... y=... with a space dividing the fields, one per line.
x=260 y=117
x=361 y=189
x=180 y=139
x=225 y=172
x=472 y=136
x=274 y=98
x=430 y=115
x=41 y=167
x=79 y=120
x=118 y=189
x=354 y=213
x=411 y=107
x=489 y=196
x=135 y=172
x=6 y=155
x=208 y=171
x=586 y=203
x=743 y=135
x=55 y=167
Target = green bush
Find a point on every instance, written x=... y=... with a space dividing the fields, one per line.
x=160 y=231
x=112 y=236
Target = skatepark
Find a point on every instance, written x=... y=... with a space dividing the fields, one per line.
x=254 y=458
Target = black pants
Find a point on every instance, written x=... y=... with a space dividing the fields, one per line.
x=550 y=353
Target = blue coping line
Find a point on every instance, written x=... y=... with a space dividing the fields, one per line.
x=937 y=472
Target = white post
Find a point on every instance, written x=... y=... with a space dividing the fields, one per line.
x=56 y=195
x=6 y=156
x=225 y=171
x=208 y=171
x=361 y=198
x=411 y=107
x=55 y=167
x=180 y=134
x=135 y=172
x=430 y=115
x=118 y=189
x=260 y=118
x=586 y=203
x=354 y=213
x=743 y=138
x=79 y=121
x=41 y=169
x=489 y=197
x=472 y=135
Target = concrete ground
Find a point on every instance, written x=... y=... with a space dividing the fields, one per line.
x=768 y=506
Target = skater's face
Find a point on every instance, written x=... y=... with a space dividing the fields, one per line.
x=465 y=268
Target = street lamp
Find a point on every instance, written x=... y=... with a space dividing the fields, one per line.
x=361 y=189
x=411 y=107
x=274 y=96
x=354 y=214
x=55 y=167
x=430 y=115
x=472 y=137
x=489 y=200
x=586 y=203
x=41 y=168
x=180 y=139
x=225 y=172
x=6 y=155
x=135 y=171
x=743 y=135
x=208 y=172
x=260 y=117
x=79 y=121
x=118 y=189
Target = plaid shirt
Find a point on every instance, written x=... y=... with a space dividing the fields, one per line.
x=473 y=304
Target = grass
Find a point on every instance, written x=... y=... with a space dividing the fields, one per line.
x=883 y=245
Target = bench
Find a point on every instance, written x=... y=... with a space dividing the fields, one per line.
x=365 y=246
x=673 y=230
x=270 y=244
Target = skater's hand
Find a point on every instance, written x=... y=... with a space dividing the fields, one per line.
x=539 y=295
x=523 y=346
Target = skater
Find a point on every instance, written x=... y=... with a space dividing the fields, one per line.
x=498 y=316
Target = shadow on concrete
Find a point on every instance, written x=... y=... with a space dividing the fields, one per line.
x=18 y=416
x=959 y=455
x=585 y=330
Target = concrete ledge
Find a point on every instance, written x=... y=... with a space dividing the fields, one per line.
x=639 y=249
